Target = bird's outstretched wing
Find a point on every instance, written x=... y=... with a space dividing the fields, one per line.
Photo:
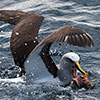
x=12 y=16
x=67 y=34
x=24 y=35
x=70 y=35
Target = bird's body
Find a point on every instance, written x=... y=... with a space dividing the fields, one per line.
x=33 y=58
x=37 y=72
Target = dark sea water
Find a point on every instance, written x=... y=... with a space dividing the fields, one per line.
x=84 y=14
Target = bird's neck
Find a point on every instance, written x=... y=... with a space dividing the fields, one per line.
x=68 y=67
x=64 y=72
x=64 y=64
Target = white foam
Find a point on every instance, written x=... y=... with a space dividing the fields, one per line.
x=18 y=79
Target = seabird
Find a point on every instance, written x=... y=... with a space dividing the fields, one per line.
x=25 y=47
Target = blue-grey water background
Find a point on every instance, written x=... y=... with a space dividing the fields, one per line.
x=84 y=14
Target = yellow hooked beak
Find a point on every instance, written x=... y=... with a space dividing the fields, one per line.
x=81 y=70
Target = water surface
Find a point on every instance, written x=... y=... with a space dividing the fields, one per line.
x=84 y=14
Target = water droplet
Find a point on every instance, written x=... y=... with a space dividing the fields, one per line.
x=27 y=93
x=48 y=66
x=25 y=43
x=32 y=74
x=30 y=23
x=17 y=33
x=29 y=35
x=35 y=37
x=43 y=53
x=64 y=77
x=34 y=41
x=28 y=61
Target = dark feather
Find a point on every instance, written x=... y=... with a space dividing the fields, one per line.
x=74 y=36
x=24 y=35
x=12 y=16
x=50 y=65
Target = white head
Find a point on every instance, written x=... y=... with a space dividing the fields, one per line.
x=73 y=56
x=68 y=64
x=72 y=59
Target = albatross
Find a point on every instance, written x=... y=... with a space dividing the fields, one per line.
x=33 y=57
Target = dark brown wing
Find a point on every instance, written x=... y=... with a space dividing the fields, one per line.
x=67 y=34
x=48 y=61
x=70 y=35
x=24 y=35
x=12 y=16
